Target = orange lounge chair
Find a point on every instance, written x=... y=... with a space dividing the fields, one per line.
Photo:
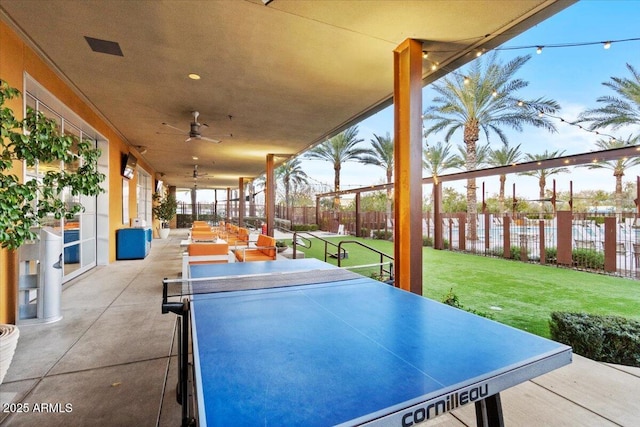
x=239 y=238
x=204 y=253
x=265 y=250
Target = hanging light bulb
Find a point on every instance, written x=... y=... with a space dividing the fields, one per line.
x=425 y=54
x=434 y=66
x=466 y=80
x=539 y=50
x=520 y=103
x=607 y=45
x=494 y=93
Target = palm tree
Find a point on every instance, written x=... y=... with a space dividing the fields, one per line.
x=438 y=158
x=617 y=166
x=617 y=112
x=543 y=174
x=505 y=156
x=291 y=172
x=482 y=154
x=337 y=150
x=381 y=154
x=484 y=100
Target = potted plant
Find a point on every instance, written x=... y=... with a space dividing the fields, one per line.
x=281 y=245
x=24 y=206
x=165 y=210
x=37 y=139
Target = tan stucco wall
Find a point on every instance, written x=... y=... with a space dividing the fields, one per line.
x=16 y=59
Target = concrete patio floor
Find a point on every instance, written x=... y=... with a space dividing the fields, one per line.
x=111 y=362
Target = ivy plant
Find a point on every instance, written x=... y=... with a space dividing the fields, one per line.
x=31 y=140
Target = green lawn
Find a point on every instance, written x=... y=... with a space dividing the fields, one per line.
x=525 y=293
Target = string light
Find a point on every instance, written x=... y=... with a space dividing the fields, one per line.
x=574 y=124
x=494 y=93
x=605 y=43
x=538 y=47
x=466 y=80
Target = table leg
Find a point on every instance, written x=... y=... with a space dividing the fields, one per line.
x=489 y=412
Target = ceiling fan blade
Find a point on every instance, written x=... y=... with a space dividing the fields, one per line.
x=171 y=133
x=173 y=127
x=204 y=138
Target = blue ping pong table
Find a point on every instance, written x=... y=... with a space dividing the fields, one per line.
x=303 y=343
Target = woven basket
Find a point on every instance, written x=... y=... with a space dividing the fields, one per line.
x=8 y=341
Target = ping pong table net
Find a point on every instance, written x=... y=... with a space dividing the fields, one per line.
x=184 y=288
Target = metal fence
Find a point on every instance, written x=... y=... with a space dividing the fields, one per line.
x=608 y=244
x=604 y=244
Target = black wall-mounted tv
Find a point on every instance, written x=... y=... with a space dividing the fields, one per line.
x=129 y=163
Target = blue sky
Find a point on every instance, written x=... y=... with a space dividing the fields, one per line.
x=572 y=76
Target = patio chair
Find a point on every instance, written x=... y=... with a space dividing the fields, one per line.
x=240 y=237
x=264 y=250
x=204 y=253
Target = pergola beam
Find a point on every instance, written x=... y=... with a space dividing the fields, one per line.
x=564 y=161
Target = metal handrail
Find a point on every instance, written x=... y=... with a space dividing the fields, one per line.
x=341 y=253
x=327 y=244
x=381 y=264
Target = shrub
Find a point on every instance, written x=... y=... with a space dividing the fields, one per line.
x=588 y=258
x=380 y=277
x=551 y=255
x=499 y=252
x=515 y=252
x=610 y=339
x=427 y=241
x=304 y=227
x=452 y=299
x=598 y=220
x=382 y=234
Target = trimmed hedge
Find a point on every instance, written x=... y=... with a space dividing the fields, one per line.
x=588 y=258
x=304 y=227
x=610 y=339
x=382 y=234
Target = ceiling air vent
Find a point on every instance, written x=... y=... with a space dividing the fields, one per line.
x=104 y=46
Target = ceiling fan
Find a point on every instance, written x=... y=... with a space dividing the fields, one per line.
x=194 y=131
x=196 y=174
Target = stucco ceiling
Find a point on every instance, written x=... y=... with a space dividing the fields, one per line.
x=279 y=77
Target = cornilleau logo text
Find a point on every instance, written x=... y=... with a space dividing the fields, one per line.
x=432 y=409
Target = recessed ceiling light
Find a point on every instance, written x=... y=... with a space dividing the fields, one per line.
x=195 y=158
x=194 y=76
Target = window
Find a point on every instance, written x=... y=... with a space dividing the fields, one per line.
x=78 y=243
